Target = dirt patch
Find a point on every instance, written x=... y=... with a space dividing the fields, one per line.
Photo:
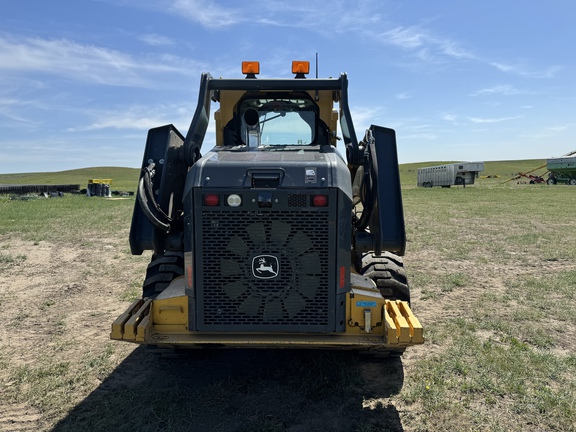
x=19 y=417
x=56 y=304
x=60 y=371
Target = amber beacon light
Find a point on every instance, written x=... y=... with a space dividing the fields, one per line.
x=300 y=67
x=250 y=67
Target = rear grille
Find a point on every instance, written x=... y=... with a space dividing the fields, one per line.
x=264 y=271
x=297 y=200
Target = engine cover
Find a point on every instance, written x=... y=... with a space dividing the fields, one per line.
x=265 y=268
x=269 y=255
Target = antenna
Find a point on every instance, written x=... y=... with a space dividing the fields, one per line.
x=316 y=97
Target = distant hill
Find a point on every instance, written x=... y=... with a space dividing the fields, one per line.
x=123 y=179
x=126 y=179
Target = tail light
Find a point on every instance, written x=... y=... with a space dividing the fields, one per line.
x=211 y=200
x=319 y=200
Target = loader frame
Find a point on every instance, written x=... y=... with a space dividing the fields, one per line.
x=364 y=312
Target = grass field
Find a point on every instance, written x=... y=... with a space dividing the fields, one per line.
x=493 y=275
x=123 y=179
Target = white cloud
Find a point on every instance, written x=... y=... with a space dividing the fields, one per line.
x=430 y=47
x=422 y=126
x=425 y=45
x=338 y=17
x=559 y=128
x=363 y=19
x=88 y=63
x=156 y=40
x=17 y=112
x=207 y=13
x=138 y=118
x=404 y=37
x=17 y=122
x=492 y=120
x=420 y=136
x=363 y=117
x=506 y=90
x=526 y=71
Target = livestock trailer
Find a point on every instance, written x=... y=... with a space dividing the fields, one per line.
x=460 y=173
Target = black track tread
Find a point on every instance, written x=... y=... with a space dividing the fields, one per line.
x=384 y=255
x=161 y=271
x=387 y=272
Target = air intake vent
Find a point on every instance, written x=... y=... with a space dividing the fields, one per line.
x=265 y=271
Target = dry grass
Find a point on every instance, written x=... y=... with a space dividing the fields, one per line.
x=492 y=268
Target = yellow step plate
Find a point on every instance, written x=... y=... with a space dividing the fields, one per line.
x=401 y=325
x=125 y=327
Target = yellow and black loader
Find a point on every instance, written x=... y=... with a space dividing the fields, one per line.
x=271 y=239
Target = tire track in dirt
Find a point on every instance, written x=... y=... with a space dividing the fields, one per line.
x=19 y=417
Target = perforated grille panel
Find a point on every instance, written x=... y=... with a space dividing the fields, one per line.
x=297 y=200
x=264 y=271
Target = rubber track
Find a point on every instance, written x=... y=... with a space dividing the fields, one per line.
x=161 y=271
x=387 y=272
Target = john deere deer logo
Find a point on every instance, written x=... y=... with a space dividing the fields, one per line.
x=265 y=266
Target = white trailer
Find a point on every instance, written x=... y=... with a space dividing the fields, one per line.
x=461 y=174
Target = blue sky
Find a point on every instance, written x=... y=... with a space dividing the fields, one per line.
x=81 y=81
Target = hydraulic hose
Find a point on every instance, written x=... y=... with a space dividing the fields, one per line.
x=366 y=186
x=143 y=200
x=148 y=174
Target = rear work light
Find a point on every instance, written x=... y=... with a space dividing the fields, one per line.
x=319 y=200
x=211 y=200
x=234 y=200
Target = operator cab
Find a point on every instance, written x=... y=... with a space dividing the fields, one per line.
x=263 y=118
x=278 y=120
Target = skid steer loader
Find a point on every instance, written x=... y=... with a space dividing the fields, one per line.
x=271 y=239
